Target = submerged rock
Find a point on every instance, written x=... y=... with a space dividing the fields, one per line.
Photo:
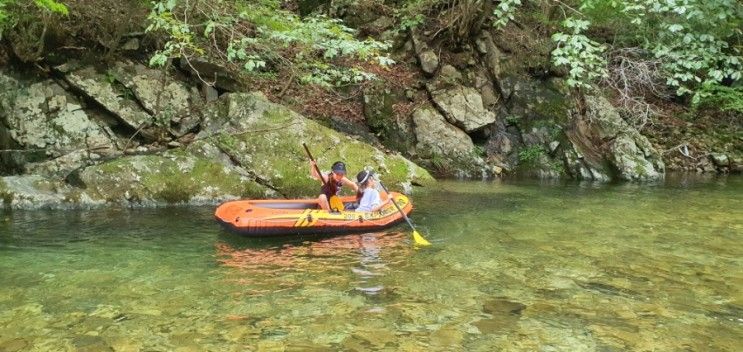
x=504 y=316
x=13 y=345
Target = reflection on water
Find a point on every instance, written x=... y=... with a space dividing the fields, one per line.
x=519 y=266
x=363 y=254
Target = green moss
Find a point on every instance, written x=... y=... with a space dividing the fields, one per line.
x=172 y=184
x=73 y=197
x=5 y=195
x=278 y=156
x=278 y=115
x=729 y=99
x=531 y=154
x=175 y=177
x=44 y=185
x=639 y=169
x=398 y=170
x=558 y=166
x=113 y=166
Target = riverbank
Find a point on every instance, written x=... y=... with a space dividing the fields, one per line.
x=86 y=124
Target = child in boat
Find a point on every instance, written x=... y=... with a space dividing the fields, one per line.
x=332 y=182
x=370 y=198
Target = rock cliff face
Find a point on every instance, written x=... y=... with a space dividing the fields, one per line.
x=65 y=150
x=604 y=146
x=479 y=106
x=46 y=130
x=492 y=110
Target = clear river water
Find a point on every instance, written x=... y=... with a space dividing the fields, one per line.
x=514 y=266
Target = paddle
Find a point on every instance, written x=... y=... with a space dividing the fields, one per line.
x=334 y=202
x=417 y=238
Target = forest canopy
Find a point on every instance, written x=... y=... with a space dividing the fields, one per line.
x=687 y=48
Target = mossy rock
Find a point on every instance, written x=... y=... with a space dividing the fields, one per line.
x=249 y=148
x=6 y=197
x=266 y=140
x=37 y=192
x=444 y=147
x=172 y=178
x=537 y=103
x=394 y=131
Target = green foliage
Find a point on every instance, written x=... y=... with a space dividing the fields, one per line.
x=12 y=10
x=513 y=120
x=259 y=36
x=52 y=6
x=328 y=76
x=531 y=154
x=697 y=41
x=719 y=97
x=181 y=41
x=408 y=22
x=504 y=12
x=4 y=16
x=581 y=55
x=479 y=151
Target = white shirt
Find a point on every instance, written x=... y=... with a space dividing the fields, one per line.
x=369 y=200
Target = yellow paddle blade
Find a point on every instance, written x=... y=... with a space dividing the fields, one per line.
x=336 y=203
x=419 y=240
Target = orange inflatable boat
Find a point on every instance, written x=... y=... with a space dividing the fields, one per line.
x=304 y=216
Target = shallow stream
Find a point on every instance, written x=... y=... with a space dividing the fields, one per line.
x=518 y=266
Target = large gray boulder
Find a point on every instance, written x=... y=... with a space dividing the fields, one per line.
x=174 y=177
x=40 y=192
x=100 y=88
x=462 y=106
x=427 y=58
x=577 y=167
x=250 y=148
x=609 y=144
x=49 y=128
x=265 y=138
x=394 y=131
x=448 y=149
x=169 y=101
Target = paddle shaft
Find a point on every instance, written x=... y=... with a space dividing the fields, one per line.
x=397 y=206
x=317 y=169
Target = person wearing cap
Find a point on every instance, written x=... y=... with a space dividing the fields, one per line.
x=332 y=182
x=370 y=198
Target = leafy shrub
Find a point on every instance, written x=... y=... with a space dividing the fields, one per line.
x=260 y=36
x=26 y=23
x=583 y=56
x=729 y=99
x=531 y=154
